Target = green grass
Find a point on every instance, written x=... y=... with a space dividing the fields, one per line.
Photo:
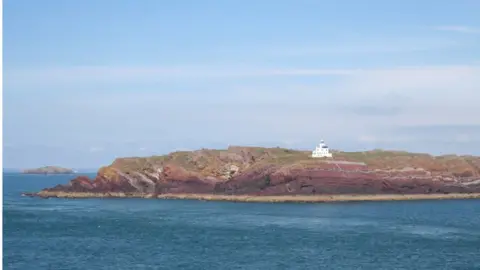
x=208 y=160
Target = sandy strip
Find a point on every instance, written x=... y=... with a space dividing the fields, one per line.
x=250 y=198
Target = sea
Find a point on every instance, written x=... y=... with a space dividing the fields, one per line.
x=188 y=234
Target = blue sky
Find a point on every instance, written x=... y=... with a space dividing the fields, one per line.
x=88 y=81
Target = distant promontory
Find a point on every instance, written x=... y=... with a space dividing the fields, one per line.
x=48 y=170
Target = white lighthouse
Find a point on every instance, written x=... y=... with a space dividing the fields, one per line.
x=321 y=151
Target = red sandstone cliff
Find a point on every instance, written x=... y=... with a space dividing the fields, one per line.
x=277 y=171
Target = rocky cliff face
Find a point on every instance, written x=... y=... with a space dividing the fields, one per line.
x=277 y=171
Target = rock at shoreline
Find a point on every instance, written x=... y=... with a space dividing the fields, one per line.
x=48 y=170
x=257 y=171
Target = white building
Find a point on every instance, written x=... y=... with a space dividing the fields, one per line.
x=321 y=151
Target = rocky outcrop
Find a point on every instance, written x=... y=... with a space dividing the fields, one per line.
x=275 y=171
x=48 y=170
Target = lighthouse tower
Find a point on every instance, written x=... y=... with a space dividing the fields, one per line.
x=321 y=151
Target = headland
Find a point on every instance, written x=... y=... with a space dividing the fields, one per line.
x=260 y=174
x=48 y=170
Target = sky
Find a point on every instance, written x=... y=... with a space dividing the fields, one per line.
x=88 y=81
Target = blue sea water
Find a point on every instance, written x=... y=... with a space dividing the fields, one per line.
x=175 y=234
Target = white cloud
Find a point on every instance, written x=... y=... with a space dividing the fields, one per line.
x=462 y=138
x=384 y=139
x=94 y=149
x=382 y=45
x=459 y=29
x=118 y=75
x=389 y=79
x=363 y=106
x=428 y=84
x=394 y=97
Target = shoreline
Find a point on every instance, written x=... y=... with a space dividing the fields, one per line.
x=259 y=199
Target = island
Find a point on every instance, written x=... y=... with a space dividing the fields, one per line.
x=49 y=170
x=258 y=174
